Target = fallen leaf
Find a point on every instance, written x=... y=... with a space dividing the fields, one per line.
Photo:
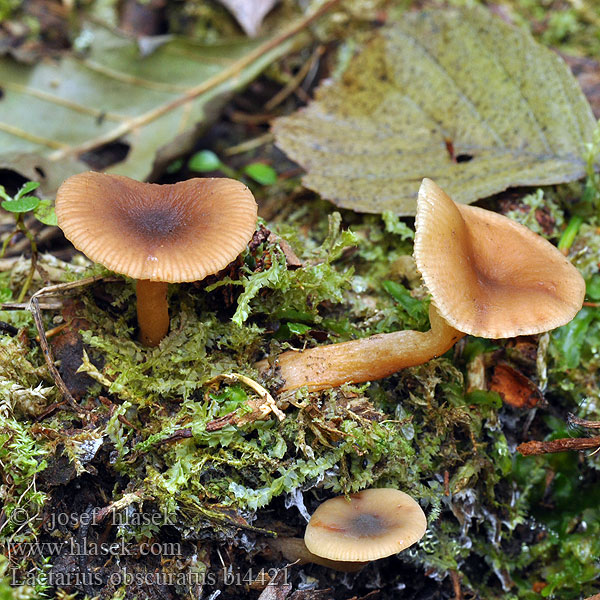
x=516 y=389
x=145 y=110
x=455 y=95
x=33 y=167
x=249 y=13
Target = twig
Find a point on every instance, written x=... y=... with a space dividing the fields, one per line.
x=60 y=384
x=248 y=145
x=561 y=445
x=295 y=81
x=118 y=505
x=180 y=434
x=60 y=288
x=454 y=575
x=237 y=116
x=221 y=422
x=573 y=420
x=55 y=330
x=194 y=92
x=27 y=305
x=49 y=410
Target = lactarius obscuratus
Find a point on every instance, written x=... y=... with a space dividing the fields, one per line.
x=345 y=534
x=488 y=277
x=157 y=234
x=371 y=524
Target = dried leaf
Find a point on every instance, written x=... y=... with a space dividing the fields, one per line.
x=515 y=389
x=455 y=95
x=143 y=105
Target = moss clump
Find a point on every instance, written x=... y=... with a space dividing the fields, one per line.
x=185 y=431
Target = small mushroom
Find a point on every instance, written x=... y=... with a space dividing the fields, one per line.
x=373 y=524
x=157 y=234
x=487 y=275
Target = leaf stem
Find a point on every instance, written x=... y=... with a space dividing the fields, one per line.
x=568 y=236
x=34 y=254
x=7 y=242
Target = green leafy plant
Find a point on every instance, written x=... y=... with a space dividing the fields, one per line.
x=19 y=205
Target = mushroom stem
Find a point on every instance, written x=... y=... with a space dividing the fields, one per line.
x=152 y=311
x=294 y=549
x=365 y=359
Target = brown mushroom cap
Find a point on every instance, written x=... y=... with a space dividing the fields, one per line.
x=375 y=523
x=170 y=233
x=489 y=276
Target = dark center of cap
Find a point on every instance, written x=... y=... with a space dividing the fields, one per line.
x=155 y=223
x=367 y=525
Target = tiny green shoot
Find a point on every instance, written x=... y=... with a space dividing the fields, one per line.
x=207 y=161
x=20 y=204
x=261 y=173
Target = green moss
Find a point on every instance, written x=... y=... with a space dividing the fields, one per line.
x=196 y=447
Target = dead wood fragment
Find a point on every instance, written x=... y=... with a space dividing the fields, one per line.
x=221 y=422
x=573 y=420
x=514 y=388
x=561 y=445
x=180 y=434
x=67 y=346
x=292 y=260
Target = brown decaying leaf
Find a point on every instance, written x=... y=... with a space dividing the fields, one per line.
x=515 y=389
x=249 y=13
x=455 y=95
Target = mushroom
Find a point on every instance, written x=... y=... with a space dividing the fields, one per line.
x=487 y=275
x=157 y=234
x=373 y=524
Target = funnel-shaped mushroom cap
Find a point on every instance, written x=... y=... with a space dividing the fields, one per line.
x=169 y=233
x=489 y=276
x=373 y=524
